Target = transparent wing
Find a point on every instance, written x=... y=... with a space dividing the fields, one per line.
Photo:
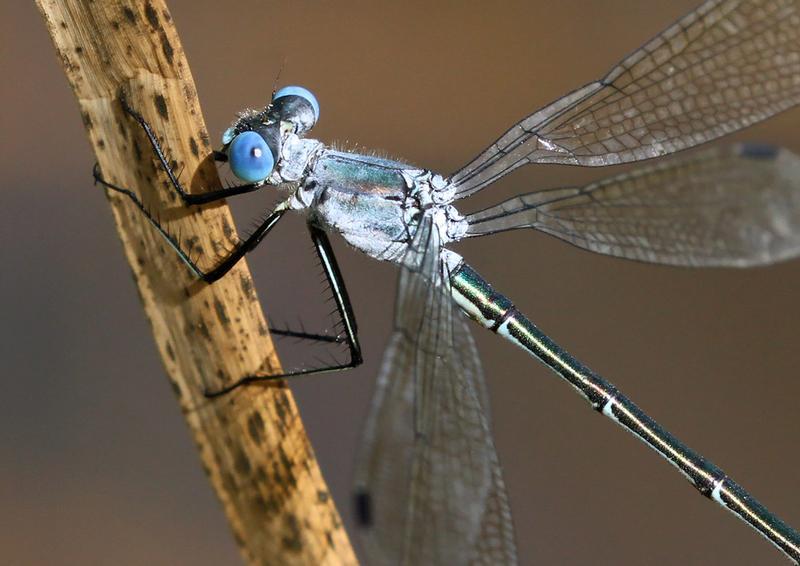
x=495 y=544
x=428 y=484
x=736 y=205
x=726 y=65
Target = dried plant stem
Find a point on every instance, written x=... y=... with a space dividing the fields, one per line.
x=252 y=443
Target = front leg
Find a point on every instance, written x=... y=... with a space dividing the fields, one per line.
x=188 y=198
x=227 y=263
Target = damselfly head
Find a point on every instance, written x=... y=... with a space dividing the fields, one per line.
x=253 y=142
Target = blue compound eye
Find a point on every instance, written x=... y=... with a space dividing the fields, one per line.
x=302 y=93
x=250 y=157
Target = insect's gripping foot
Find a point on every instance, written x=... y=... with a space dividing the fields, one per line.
x=98 y=178
x=263 y=379
x=123 y=100
x=355 y=361
x=97 y=175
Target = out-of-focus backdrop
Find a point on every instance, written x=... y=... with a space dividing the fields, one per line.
x=96 y=466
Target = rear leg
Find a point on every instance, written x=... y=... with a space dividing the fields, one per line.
x=346 y=315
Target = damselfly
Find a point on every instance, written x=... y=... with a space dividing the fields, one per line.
x=429 y=486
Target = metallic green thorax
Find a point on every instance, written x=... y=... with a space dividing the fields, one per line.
x=361 y=197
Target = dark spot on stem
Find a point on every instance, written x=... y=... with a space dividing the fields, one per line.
x=129 y=15
x=170 y=351
x=161 y=106
x=247 y=285
x=201 y=326
x=280 y=410
x=224 y=419
x=166 y=47
x=255 y=426
x=227 y=229
x=292 y=541
x=237 y=536
x=259 y=505
x=87 y=120
x=151 y=15
x=194 y=148
x=222 y=315
x=288 y=466
x=242 y=463
x=272 y=505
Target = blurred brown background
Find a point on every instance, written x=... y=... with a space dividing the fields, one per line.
x=96 y=466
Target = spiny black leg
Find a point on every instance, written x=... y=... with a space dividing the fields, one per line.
x=229 y=261
x=334 y=276
x=301 y=334
x=328 y=260
x=188 y=198
x=284 y=331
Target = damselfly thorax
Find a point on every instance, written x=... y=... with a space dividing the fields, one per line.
x=374 y=203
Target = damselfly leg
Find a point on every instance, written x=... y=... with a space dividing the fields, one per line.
x=227 y=263
x=187 y=197
x=343 y=306
x=324 y=251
